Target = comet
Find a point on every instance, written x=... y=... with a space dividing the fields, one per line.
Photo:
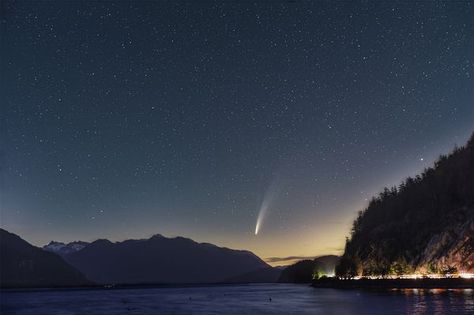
x=268 y=199
x=261 y=215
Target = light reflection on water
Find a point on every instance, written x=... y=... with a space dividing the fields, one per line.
x=238 y=299
x=437 y=301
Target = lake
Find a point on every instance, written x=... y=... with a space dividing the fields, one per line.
x=237 y=299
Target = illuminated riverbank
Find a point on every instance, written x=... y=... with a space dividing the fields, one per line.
x=462 y=275
x=399 y=283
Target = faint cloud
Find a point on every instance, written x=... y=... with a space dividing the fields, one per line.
x=288 y=259
x=335 y=249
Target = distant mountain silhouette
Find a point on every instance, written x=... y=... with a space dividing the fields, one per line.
x=263 y=275
x=24 y=265
x=64 y=249
x=425 y=225
x=161 y=260
x=306 y=271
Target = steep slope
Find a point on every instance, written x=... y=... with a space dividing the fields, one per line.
x=452 y=248
x=306 y=271
x=24 y=265
x=161 y=260
x=425 y=225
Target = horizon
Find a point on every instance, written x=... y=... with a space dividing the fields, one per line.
x=272 y=261
x=263 y=127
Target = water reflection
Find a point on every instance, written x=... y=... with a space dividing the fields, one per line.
x=240 y=299
x=437 y=301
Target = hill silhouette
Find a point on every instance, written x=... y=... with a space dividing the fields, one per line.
x=161 y=260
x=426 y=224
x=308 y=270
x=24 y=265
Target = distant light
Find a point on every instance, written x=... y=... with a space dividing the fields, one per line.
x=466 y=275
x=463 y=275
x=421 y=159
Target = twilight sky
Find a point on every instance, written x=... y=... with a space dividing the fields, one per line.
x=126 y=119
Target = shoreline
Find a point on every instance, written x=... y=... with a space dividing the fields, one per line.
x=135 y=286
x=446 y=283
x=328 y=283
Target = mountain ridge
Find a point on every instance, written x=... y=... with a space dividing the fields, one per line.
x=159 y=259
x=153 y=237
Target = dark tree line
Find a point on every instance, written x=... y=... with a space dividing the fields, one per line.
x=391 y=233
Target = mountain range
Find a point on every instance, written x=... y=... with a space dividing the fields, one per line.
x=144 y=261
x=161 y=260
x=157 y=260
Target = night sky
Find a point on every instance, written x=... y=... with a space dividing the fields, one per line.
x=126 y=119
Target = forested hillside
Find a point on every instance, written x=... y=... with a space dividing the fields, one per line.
x=426 y=224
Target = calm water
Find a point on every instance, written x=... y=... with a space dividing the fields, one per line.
x=238 y=299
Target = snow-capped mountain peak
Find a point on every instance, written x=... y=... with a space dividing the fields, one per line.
x=64 y=249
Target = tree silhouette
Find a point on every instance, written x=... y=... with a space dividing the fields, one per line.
x=389 y=236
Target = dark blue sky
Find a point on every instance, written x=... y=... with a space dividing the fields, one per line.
x=126 y=119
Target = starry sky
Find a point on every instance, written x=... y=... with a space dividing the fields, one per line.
x=126 y=119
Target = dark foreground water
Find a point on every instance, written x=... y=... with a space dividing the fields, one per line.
x=238 y=299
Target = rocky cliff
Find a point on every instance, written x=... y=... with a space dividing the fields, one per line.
x=452 y=248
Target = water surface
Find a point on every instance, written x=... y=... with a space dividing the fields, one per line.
x=237 y=299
